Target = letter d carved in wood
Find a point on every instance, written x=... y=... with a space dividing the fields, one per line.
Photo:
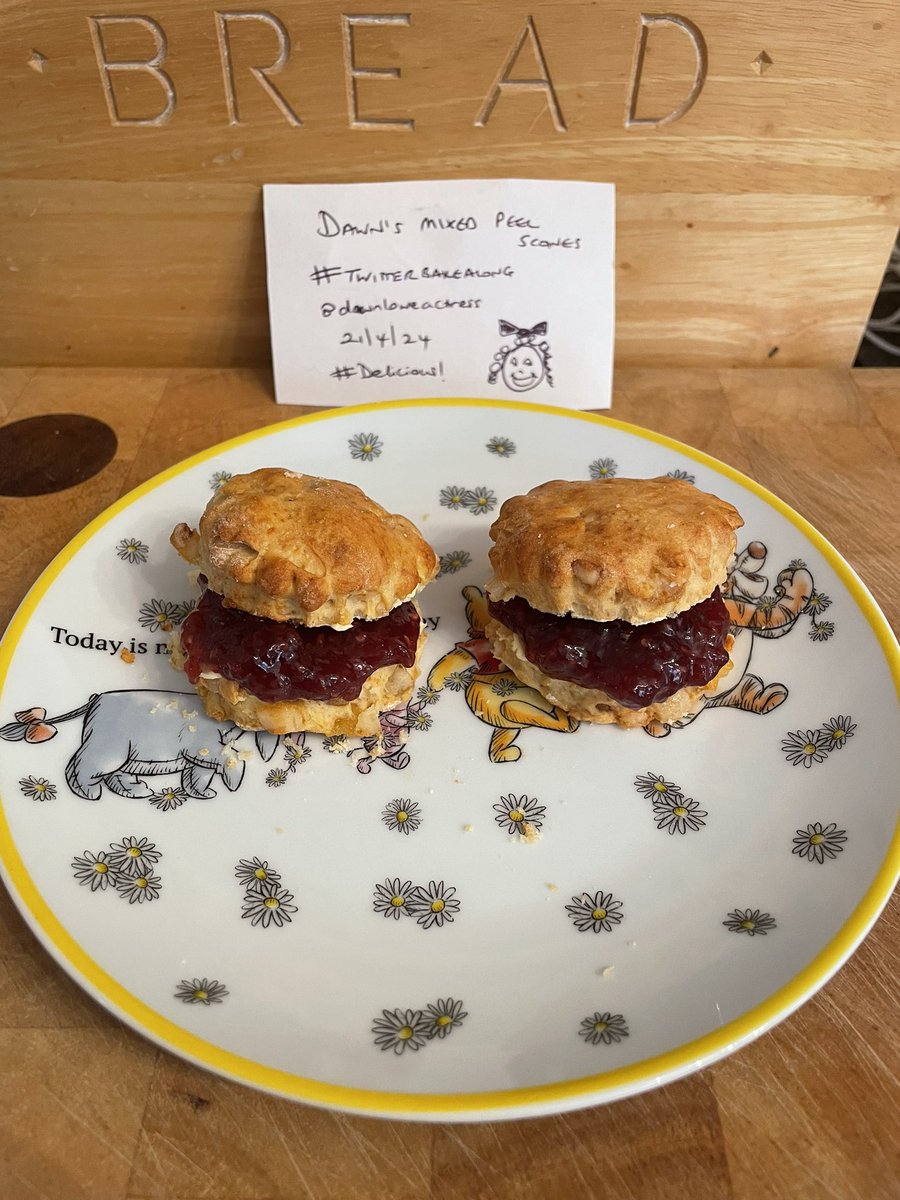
x=702 y=65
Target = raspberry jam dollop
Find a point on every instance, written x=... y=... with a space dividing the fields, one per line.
x=278 y=660
x=636 y=665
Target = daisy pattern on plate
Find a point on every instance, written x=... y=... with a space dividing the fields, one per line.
x=598 y=912
x=218 y=478
x=138 y=888
x=455 y=497
x=458 y=681
x=185 y=608
x=428 y=694
x=201 y=991
x=654 y=787
x=434 y=904
x=453 y=561
x=277 y=777
x=514 y=812
x=36 y=788
x=134 y=856
x=417 y=718
x=392 y=898
x=296 y=752
x=750 y=920
x=254 y=872
x=817 y=841
x=132 y=550
x=159 y=614
x=336 y=743
x=444 y=1016
x=679 y=474
x=402 y=815
x=401 y=1029
x=169 y=799
x=821 y=631
x=803 y=749
x=678 y=814
x=268 y=904
x=481 y=500
x=501 y=446
x=817 y=603
x=603 y=1028
x=93 y=870
x=365 y=446
x=603 y=468
x=504 y=687
x=838 y=729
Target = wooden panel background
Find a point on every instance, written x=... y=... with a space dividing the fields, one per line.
x=753 y=229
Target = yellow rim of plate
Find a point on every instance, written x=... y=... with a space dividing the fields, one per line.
x=544 y=1097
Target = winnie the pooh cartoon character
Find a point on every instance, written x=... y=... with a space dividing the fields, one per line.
x=492 y=692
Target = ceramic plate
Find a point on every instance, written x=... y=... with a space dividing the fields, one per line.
x=503 y=913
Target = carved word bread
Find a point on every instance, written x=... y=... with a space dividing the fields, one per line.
x=307 y=622
x=605 y=595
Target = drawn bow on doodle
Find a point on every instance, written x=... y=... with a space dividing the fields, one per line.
x=507 y=329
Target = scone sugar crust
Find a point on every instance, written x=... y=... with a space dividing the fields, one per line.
x=299 y=548
x=636 y=550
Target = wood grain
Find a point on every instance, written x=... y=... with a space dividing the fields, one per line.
x=808 y=1111
x=762 y=218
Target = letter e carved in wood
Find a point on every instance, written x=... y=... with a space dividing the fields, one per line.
x=355 y=72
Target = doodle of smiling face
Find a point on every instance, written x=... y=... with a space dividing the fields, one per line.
x=523 y=369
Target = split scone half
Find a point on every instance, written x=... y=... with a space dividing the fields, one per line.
x=605 y=596
x=307 y=620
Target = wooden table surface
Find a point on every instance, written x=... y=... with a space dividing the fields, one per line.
x=90 y=1109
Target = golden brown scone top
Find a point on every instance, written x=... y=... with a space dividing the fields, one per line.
x=299 y=548
x=631 y=549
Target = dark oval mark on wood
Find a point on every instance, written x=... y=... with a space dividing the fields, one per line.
x=53 y=452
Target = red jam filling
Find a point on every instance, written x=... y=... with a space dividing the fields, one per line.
x=277 y=660
x=634 y=664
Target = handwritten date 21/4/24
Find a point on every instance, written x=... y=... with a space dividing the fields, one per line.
x=391 y=337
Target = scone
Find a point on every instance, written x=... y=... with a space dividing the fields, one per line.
x=307 y=620
x=605 y=596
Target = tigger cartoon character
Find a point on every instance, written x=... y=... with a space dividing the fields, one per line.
x=754 y=613
x=492 y=692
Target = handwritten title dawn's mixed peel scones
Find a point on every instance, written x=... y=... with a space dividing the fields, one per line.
x=307 y=620
x=605 y=595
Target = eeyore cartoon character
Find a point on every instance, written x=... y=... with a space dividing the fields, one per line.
x=128 y=735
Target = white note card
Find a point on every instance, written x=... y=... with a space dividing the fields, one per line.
x=497 y=288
